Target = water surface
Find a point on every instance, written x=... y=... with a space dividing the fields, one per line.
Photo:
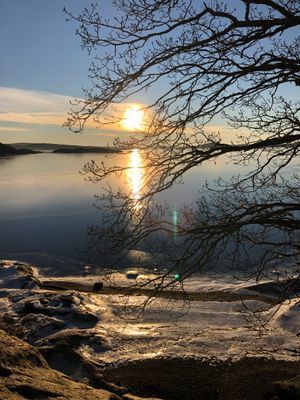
x=46 y=204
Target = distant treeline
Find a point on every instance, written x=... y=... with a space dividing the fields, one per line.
x=35 y=148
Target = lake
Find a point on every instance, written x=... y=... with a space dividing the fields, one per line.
x=46 y=205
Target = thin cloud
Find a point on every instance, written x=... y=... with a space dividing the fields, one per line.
x=30 y=101
x=32 y=107
x=12 y=129
x=45 y=108
x=34 y=118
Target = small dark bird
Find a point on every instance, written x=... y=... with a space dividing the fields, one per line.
x=97 y=287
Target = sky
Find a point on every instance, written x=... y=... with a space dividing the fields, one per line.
x=42 y=67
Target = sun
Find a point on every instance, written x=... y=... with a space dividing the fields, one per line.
x=133 y=118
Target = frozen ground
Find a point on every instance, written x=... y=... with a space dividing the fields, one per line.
x=209 y=329
x=94 y=328
x=218 y=329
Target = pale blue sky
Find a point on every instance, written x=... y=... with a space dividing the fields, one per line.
x=41 y=57
x=42 y=67
x=39 y=48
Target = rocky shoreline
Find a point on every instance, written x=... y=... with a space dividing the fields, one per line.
x=24 y=374
x=51 y=342
x=40 y=329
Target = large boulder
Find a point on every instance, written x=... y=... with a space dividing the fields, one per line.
x=17 y=275
x=24 y=374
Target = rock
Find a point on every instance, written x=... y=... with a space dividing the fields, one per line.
x=92 y=371
x=37 y=326
x=45 y=384
x=82 y=318
x=63 y=352
x=15 y=352
x=19 y=295
x=288 y=389
x=129 y=396
x=97 y=287
x=132 y=274
x=10 y=324
x=14 y=275
x=75 y=338
x=57 y=324
x=71 y=298
x=64 y=359
x=24 y=374
x=66 y=306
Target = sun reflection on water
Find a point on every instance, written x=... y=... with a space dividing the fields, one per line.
x=135 y=175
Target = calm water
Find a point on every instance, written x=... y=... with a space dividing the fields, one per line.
x=46 y=205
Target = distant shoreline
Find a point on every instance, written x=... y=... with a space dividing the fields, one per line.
x=52 y=148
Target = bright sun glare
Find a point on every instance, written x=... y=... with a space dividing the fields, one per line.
x=133 y=118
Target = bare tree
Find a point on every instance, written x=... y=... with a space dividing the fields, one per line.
x=238 y=62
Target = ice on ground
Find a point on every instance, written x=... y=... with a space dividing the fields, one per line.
x=217 y=330
x=288 y=317
x=195 y=284
x=198 y=329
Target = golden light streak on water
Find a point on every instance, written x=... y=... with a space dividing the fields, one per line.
x=135 y=175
